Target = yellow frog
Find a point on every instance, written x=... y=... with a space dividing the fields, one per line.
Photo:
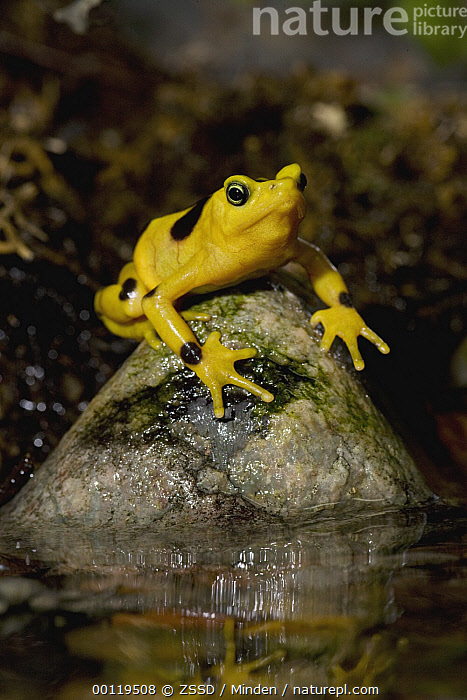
x=244 y=230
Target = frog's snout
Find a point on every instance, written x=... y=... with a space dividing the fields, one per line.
x=295 y=172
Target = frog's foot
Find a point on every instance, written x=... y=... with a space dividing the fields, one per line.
x=216 y=369
x=346 y=323
x=374 y=662
x=233 y=672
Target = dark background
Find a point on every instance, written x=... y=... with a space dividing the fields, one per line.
x=141 y=108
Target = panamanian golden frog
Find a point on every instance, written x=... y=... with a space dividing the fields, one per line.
x=244 y=230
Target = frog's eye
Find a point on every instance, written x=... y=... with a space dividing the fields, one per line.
x=303 y=182
x=237 y=194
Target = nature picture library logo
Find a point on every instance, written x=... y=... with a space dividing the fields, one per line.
x=419 y=19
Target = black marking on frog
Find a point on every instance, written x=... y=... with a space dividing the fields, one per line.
x=186 y=223
x=128 y=290
x=191 y=353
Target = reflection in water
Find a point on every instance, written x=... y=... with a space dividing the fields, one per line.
x=156 y=649
x=325 y=605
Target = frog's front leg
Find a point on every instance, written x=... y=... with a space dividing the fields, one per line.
x=212 y=362
x=341 y=319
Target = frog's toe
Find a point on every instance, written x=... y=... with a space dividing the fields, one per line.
x=329 y=334
x=195 y=316
x=212 y=340
x=358 y=363
x=152 y=338
x=244 y=383
x=354 y=353
x=245 y=354
x=217 y=402
x=375 y=339
x=327 y=340
x=316 y=318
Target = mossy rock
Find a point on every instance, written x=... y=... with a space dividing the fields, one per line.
x=149 y=451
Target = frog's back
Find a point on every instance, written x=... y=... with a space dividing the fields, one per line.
x=158 y=252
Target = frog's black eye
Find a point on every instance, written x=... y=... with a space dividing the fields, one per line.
x=237 y=194
x=303 y=182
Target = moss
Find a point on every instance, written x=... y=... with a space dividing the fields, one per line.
x=358 y=419
x=146 y=414
x=150 y=412
x=287 y=383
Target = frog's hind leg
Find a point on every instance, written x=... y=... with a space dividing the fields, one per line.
x=139 y=329
x=119 y=307
x=121 y=302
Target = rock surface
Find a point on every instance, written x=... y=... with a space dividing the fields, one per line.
x=148 y=449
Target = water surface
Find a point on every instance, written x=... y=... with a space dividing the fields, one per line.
x=374 y=605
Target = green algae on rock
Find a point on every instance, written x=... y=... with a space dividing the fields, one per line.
x=148 y=449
